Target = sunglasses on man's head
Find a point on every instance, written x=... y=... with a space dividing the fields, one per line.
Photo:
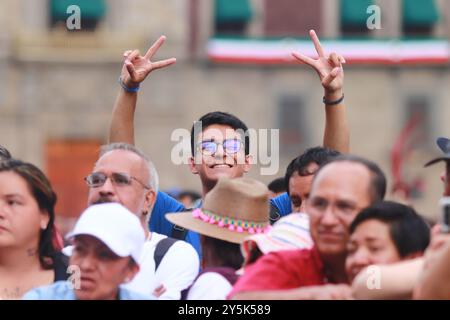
x=230 y=146
x=97 y=179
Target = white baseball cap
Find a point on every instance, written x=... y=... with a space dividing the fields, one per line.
x=113 y=224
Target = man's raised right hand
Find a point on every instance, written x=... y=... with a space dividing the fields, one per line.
x=136 y=67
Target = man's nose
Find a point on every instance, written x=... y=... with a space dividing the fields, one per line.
x=107 y=187
x=329 y=217
x=87 y=262
x=220 y=152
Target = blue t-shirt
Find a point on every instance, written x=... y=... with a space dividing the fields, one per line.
x=166 y=204
x=282 y=203
x=61 y=290
x=159 y=224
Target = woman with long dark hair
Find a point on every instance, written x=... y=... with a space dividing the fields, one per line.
x=28 y=257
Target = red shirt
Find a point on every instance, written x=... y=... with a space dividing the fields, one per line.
x=282 y=270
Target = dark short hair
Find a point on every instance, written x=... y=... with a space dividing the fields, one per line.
x=318 y=155
x=224 y=118
x=227 y=254
x=377 y=185
x=408 y=230
x=277 y=185
x=4 y=153
x=45 y=197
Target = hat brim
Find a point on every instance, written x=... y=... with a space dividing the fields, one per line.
x=187 y=221
x=436 y=160
x=108 y=241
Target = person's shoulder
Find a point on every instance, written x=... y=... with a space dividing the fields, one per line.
x=209 y=286
x=126 y=294
x=213 y=278
x=157 y=237
x=289 y=257
x=168 y=203
x=183 y=245
x=297 y=253
x=179 y=250
x=57 y=290
x=178 y=245
x=151 y=244
x=183 y=249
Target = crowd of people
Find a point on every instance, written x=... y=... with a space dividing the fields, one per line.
x=323 y=231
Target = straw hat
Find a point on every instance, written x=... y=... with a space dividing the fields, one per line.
x=233 y=210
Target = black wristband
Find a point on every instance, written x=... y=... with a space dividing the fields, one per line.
x=330 y=103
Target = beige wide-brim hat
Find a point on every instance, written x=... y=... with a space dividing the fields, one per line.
x=233 y=210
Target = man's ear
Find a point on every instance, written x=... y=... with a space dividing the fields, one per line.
x=192 y=165
x=150 y=199
x=248 y=163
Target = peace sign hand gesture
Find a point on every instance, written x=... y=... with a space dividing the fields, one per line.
x=328 y=68
x=136 y=67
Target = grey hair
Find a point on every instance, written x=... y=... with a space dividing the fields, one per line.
x=153 y=180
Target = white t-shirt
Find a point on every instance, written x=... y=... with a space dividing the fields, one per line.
x=210 y=286
x=177 y=270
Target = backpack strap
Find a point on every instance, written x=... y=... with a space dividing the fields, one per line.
x=161 y=249
x=178 y=232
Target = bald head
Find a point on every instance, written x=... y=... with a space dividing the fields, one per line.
x=153 y=180
x=344 y=180
x=125 y=161
x=340 y=190
x=377 y=179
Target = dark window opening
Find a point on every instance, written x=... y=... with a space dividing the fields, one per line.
x=232 y=16
x=91 y=13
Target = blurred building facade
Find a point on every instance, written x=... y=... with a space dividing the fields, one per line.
x=57 y=88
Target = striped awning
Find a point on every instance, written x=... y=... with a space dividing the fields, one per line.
x=257 y=51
